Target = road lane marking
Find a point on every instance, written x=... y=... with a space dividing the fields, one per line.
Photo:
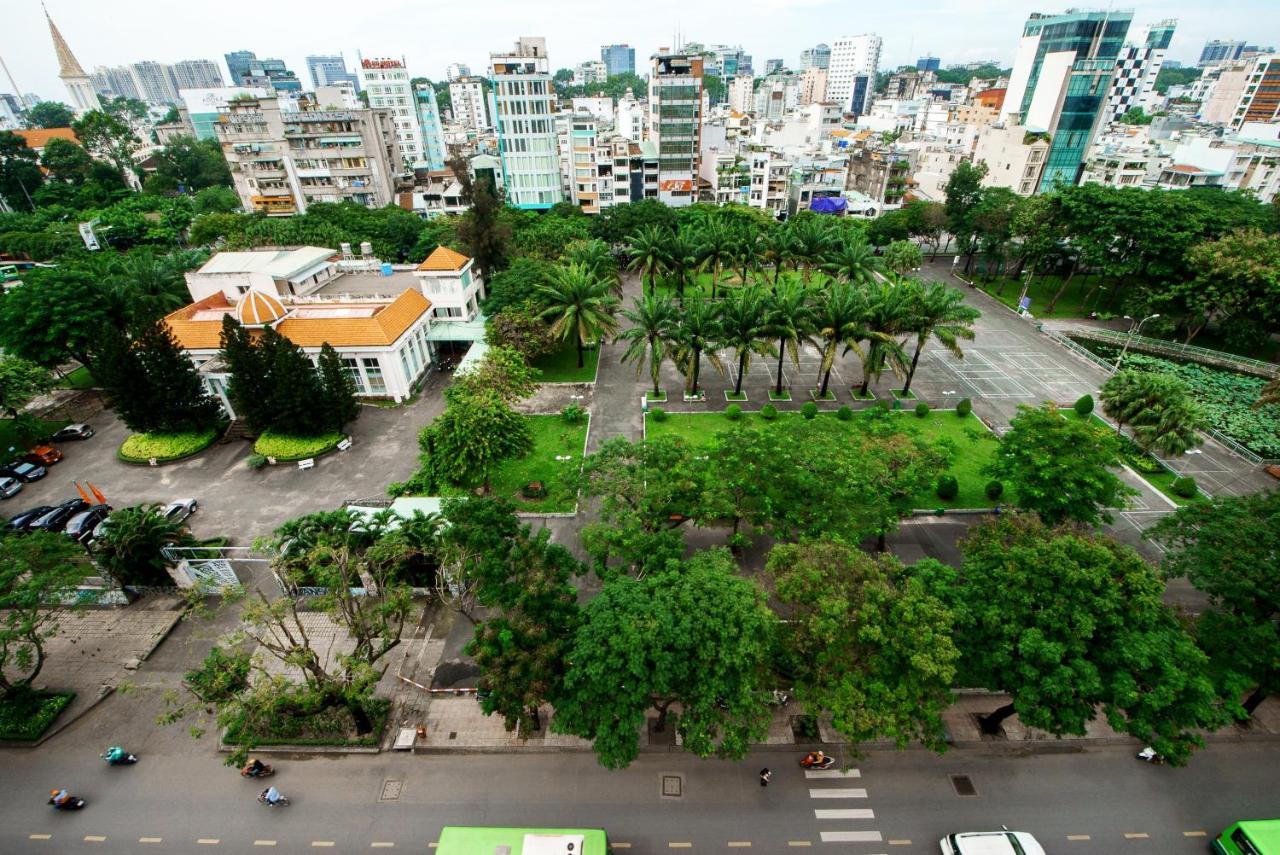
x=832 y=773
x=799 y=843
x=1078 y=837
x=321 y=844
x=621 y=845
x=838 y=794
x=150 y=839
x=94 y=838
x=1136 y=835
x=739 y=844
x=899 y=842
x=850 y=836
x=679 y=845
x=382 y=844
x=264 y=843
x=1194 y=834
x=39 y=836
x=851 y=813
x=209 y=841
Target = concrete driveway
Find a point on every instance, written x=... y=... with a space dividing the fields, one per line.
x=235 y=501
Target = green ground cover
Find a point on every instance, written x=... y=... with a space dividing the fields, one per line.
x=333 y=726
x=78 y=379
x=561 y=366
x=1071 y=305
x=973 y=444
x=25 y=715
x=141 y=447
x=286 y=448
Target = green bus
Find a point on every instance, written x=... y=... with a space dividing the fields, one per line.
x=468 y=840
x=1252 y=837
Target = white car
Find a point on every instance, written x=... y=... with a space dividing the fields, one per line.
x=181 y=509
x=1003 y=842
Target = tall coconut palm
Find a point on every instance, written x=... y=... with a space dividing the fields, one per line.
x=744 y=327
x=854 y=261
x=747 y=250
x=596 y=256
x=695 y=336
x=715 y=249
x=790 y=322
x=840 y=318
x=778 y=249
x=579 y=304
x=939 y=312
x=682 y=258
x=813 y=240
x=652 y=319
x=889 y=317
x=648 y=251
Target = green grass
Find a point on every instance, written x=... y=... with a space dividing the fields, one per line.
x=561 y=366
x=974 y=444
x=78 y=379
x=552 y=437
x=1147 y=467
x=25 y=715
x=141 y=447
x=286 y=448
x=10 y=436
x=1041 y=292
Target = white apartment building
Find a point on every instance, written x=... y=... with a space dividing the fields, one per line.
x=777 y=96
x=770 y=181
x=1137 y=66
x=456 y=70
x=386 y=81
x=813 y=85
x=741 y=91
x=155 y=82
x=197 y=74
x=470 y=107
x=591 y=72
x=1014 y=159
x=675 y=121
x=524 y=102
x=629 y=118
x=851 y=75
x=600 y=107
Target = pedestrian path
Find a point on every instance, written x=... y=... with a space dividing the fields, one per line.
x=846 y=823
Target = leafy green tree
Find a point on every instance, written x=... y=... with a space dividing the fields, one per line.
x=964 y=191
x=697 y=635
x=778 y=248
x=297 y=398
x=889 y=227
x=617 y=224
x=66 y=161
x=901 y=257
x=648 y=252
x=517 y=285
x=1065 y=623
x=652 y=319
x=107 y=136
x=50 y=114
x=715 y=249
x=744 y=328
x=694 y=336
x=854 y=262
x=482 y=230
x=152 y=384
x=790 y=320
x=34 y=568
x=871 y=644
x=250 y=384
x=841 y=318
x=547 y=237
x=20 y=381
x=189 y=164
x=938 y=312
x=813 y=240
x=473 y=435
x=216 y=200
x=1059 y=468
x=131 y=546
x=520 y=328
x=503 y=373
x=1135 y=116
x=337 y=388
x=1228 y=548
x=595 y=255
x=20 y=175
x=1236 y=275
x=1158 y=407
x=57 y=316
x=580 y=305
x=926 y=221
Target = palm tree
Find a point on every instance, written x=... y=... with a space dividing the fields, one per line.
x=648 y=252
x=779 y=248
x=813 y=240
x=790 y=320
x=940 y=312
x=744 y=327
x=747 y=250
x=596 y=256
x=890 y=313
x=715 y=248
x=579 y=304
x=682 y=257
x=840 y=318
x=652 y=318
x=854 y=261
x=694 y=336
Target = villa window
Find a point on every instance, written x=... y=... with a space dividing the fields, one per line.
x=373 y=370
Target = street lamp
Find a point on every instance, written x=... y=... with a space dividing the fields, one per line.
x=1134 y=327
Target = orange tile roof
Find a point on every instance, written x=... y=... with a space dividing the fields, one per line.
x=444 y=258
x=198 y=335
x=38 y=138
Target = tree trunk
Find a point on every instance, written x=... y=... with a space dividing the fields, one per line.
x=581 y=363
x=782 y=352
x=742 y=367
x=881 y=545
x=872 y=355
x=662 y=707
x=715 y=277
x=697 y=364
x=914 y=361
x=364 y=724
x=1252 y=702
x=1063 y=287
x=991 y=722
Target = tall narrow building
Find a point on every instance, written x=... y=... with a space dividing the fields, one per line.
x=1060 y=82
x=79 y=87
x=523 y=104
x=1137 y=67
x=851 y=72
x=387 y=83
x=675 y=124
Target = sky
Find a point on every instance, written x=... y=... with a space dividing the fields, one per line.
x=430 y=34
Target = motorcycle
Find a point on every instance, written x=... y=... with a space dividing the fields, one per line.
x=1150 y=755
x=812 y=761
x=266 y=771
x=116 y=756
x=72 y=803
x=281 y=800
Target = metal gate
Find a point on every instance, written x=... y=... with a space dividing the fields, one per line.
x=211 y=568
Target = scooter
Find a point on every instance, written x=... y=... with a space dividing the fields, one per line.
x=1150 y=755
x=279 y=802
x=73 y=803
x=266 y=771
x=119 y=757
x=808 y=761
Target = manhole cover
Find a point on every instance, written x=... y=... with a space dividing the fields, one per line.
x=672 y=786
x=963 y=785
x=390 y=791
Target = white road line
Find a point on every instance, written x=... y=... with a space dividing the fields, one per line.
x=832 y=773
x=94 y=838
x=149 y=839
x=209 y=841
x=850 y=836
x=39 y=836
x=850 y=813
x=264 y=843
x=838 y=794
x=382 y=844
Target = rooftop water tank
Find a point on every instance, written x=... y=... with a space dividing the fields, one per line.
x=386 y=269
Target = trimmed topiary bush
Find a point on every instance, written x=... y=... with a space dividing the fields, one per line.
x=1083 y=406
x=141 y=447
x=964 y=408
x=768 y=412
x=922 y=409
x=658 y=414
x=1185 y=487
x=573 y=414
x=256 y=461
x=733 y=412
x=283 y=447
x=844 y=414
x=948 y=487
x=994 y=490
x=809 y=410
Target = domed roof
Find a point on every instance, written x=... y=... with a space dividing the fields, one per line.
x=258 y=308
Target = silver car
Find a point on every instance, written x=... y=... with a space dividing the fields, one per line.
x=179 y=510
x=9 y=487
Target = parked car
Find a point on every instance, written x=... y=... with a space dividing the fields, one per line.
x=179 y=510
x=56 y=519
x=1003 y=842
x=43 y=455
x=82 y=525
x=76 y=431
x=23 y=471
x=9 y=487
x=23 y=521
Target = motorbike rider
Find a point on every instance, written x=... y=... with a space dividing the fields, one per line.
x=255 y=767
x=272 y=795
x=60 y=797
x=815 y=758
x=115 y=754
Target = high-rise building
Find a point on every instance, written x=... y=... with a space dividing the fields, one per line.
x=1060 y=81
x=818 y=56
x=10 y=112
x=457 y=70
x=1260 y=100
x=851 y=75
x=928 y=63
x=115 y=82
x=813 y=85
x=1218 y=52
x=238 y=62
x=79 y=87
x=247 y=70
x=197 y=74
x=470 y=107
x=205 y=107
x=433 y=149
x=590 y=72
x=523 y=102
x=675 y=123
x=386 y=82
x=618 y=59
x=772 y=65
x=330 y=70
x=155 y=81
x=1134 y=83
x=740 y=93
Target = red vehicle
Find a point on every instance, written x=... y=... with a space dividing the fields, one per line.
x=45 y=455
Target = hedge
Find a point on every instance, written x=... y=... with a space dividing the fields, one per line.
x=25 y=715
x=164 y=447
x=285 y=448
x=332 y=726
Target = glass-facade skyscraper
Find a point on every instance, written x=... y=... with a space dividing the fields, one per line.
x=619 y=59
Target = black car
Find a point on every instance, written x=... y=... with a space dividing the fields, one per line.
x=81 y=526
x=23 y=471
x=23 y=521
x=57 y=519
x=76 y=431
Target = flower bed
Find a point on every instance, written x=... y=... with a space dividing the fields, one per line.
x=26 y=715
x=285 y=448
x=165 y=447
x=333 y=726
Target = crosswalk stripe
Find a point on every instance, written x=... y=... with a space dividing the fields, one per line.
x=832 y=773
x=838 y=794
x=849 y=813
x=850 y=836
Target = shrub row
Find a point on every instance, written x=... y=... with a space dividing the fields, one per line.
x=142 y=447
x=285 y=448
x=25 y=715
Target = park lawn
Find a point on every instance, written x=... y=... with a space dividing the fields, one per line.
x=561 y=366
x=9 y=434
x=974 y=444
x=78 y=379
x=552 y=437
x=1041 y=292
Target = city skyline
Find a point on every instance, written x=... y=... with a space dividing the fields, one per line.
x=947 y=30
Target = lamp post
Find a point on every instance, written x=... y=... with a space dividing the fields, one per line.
x=1134 y=327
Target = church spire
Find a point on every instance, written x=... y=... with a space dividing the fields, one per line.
x=68 y=66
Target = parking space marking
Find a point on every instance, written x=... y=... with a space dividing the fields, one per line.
x=1136 y=835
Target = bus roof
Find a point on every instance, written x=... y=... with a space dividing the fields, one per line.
x=1264 y=832
x=470 y=840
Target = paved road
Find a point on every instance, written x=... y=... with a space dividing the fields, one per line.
x=1099 y=801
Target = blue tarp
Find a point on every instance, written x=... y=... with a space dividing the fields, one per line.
x=829 y=205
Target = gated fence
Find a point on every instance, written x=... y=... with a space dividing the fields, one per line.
x=212 y=568
x=1176 y=349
